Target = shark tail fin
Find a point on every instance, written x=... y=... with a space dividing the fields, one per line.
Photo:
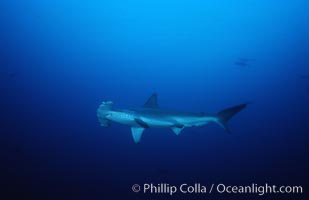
x=102 y=112
x=225 y=115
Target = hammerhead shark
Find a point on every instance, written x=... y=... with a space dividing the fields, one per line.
x=151 y=116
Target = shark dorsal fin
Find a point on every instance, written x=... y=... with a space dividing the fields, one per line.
x=152 y=101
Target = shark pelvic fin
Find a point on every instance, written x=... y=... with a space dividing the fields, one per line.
x=141 y=123
x=176 y=130
x=152 y=101
x=137 y=133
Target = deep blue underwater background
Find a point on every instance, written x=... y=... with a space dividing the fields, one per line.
x=59 y=59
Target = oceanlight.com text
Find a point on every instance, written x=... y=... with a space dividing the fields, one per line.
x=199 y=188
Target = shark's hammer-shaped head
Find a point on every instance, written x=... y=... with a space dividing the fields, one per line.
x=103 y=112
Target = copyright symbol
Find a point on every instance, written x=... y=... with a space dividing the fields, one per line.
x=136 y=188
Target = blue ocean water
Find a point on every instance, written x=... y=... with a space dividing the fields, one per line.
x=60 y=59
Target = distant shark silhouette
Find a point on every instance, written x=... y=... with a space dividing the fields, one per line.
x=151 y=116
x=244 y=62
x=241 y=63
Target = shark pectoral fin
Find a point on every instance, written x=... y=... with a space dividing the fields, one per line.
x=177 y=130
x=141 y=123
x=137 y=133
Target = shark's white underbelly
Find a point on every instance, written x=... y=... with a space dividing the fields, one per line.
x=157 y=122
